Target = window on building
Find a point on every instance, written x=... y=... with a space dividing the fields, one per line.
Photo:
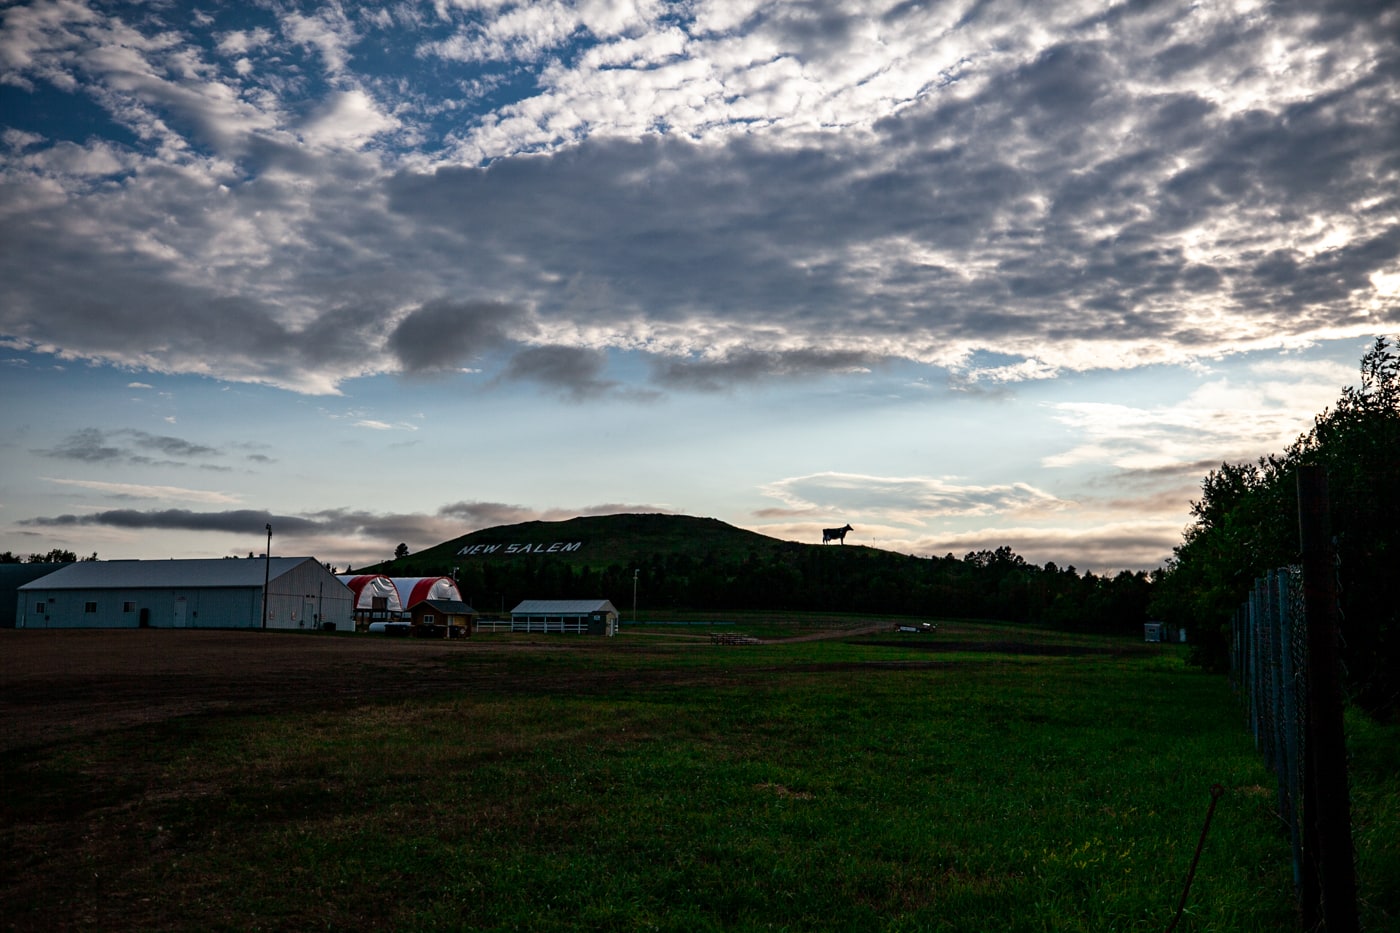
x=89 y=607
x=39 y=607
x=429 y=618
x=128 y=607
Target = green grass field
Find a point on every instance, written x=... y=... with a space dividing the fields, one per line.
x=651 y=783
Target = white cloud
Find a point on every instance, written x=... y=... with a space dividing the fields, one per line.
x=239 y=42
x=329 y=32
x=143 y=491
x=348 y=118
x=1220 y=419
x=914 y=500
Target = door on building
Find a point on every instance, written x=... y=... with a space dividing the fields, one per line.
x=179 y=620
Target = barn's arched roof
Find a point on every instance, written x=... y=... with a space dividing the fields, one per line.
x=367 y=586
x=413 y=590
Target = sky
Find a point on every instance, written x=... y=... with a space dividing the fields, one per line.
x=962 y=275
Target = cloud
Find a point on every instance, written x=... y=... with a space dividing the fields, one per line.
x=739 y=192
x=347 y=118
x=574 y=371
x=125 y=445
x=350 y=536
x=247 y=521
x=329 y=32
x=442 y=335
x=1222 y=419
x=911 y=500
x=1131 y=545
x=143 y=491
x=739 y=367
x=477 y=515
x=1107 y=546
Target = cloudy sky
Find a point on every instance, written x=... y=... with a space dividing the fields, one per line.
x=959 y=274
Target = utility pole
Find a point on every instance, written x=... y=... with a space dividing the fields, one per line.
x=635 y=572
x=267 y=573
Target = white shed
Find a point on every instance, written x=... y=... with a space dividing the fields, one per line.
x=220 y=593
x=576 y=616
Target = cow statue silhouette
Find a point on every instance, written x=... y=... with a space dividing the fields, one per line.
x=835 y=534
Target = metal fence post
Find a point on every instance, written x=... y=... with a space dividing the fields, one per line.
x=1327 y=802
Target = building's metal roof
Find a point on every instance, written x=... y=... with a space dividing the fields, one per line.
x=413 y=590
x=448 y=606
x=562 y=607
x=13 y=576
x=174 y=574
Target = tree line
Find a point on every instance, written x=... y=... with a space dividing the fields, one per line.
x=985 y=584
x=1246 y=523
x=54 y=556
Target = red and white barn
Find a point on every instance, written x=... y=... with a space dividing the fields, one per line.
x=376 y=598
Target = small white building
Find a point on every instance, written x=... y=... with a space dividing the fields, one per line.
x=220 y=593
x=570 y=616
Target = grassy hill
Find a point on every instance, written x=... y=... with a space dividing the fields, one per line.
x=594 y=542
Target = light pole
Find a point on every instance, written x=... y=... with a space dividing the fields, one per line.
x=267 y=573
x=635 y=571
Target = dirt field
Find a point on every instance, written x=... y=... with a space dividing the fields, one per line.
x=58 y=684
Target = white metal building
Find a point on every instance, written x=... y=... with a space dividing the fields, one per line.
x=221 y=593
x=576 y=616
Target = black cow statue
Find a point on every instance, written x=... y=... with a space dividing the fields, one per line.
x=835 y=534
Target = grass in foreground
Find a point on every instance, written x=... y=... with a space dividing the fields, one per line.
x=962 y=794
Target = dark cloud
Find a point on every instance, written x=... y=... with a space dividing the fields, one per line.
x=242 y=521
x=171 y=446
x=418 y=529
x=575 y=372
x=753 y=366
x=88 y=445
x=329 y=522
x=126 y=445
x=444 y=334
x=811 y=30
x=333 y=530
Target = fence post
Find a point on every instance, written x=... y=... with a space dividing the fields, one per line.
x=1326 y=798
x=1290 y=783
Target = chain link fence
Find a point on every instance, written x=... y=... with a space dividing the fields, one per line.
x=1283 y=663
x=1269 y=670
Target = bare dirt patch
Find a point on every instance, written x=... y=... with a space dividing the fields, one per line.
x=58 y=684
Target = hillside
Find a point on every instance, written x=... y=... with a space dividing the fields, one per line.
x=594 y=542
x=679 y=562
